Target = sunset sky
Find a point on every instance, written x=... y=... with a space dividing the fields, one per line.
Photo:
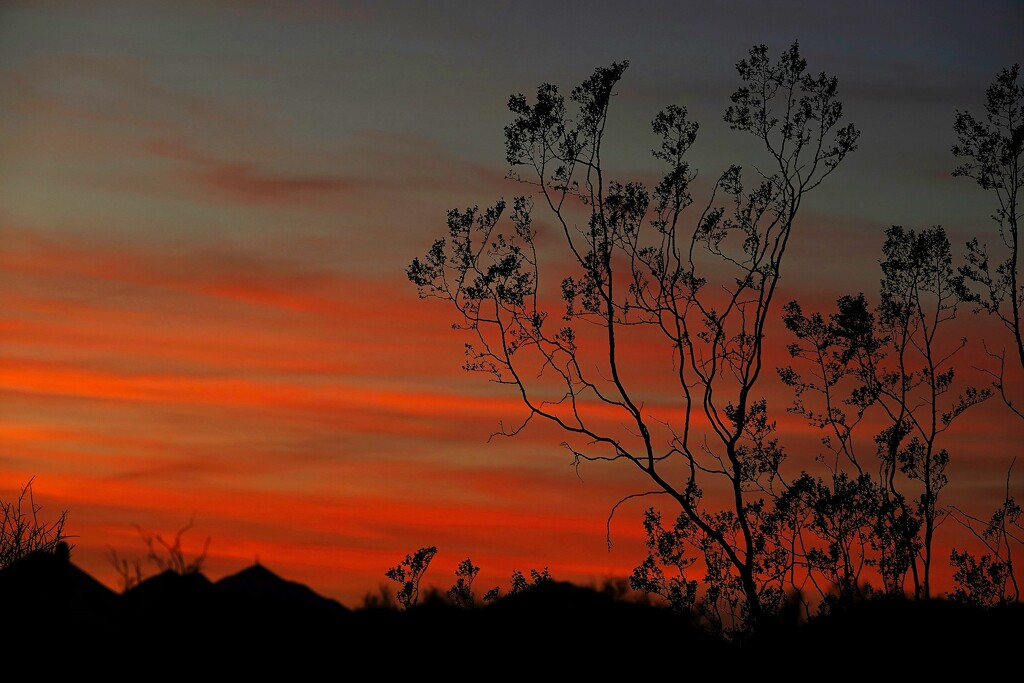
x=206 y=212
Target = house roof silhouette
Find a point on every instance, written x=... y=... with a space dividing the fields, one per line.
x=256 y=582
x=50 y=581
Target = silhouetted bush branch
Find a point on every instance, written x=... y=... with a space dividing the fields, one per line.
x=129 y=571
x=166 y=555
x=22 y=532
x=169 y=555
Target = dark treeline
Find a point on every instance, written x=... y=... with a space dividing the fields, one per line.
x=257 y=622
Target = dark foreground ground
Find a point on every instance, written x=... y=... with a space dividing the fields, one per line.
x=57 y=619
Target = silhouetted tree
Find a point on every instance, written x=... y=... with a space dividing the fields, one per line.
x=409 y=573
x=21 y=530
x=897 y=361
x=989 y=579
x=706 y=291
x=991 y=152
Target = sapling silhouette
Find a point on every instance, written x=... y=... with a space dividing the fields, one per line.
x=408 y=574
x=461 y=593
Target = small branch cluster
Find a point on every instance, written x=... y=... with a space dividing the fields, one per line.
x=22 y=532
x=166 y=555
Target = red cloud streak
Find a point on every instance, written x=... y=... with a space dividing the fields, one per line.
x=324 y=432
